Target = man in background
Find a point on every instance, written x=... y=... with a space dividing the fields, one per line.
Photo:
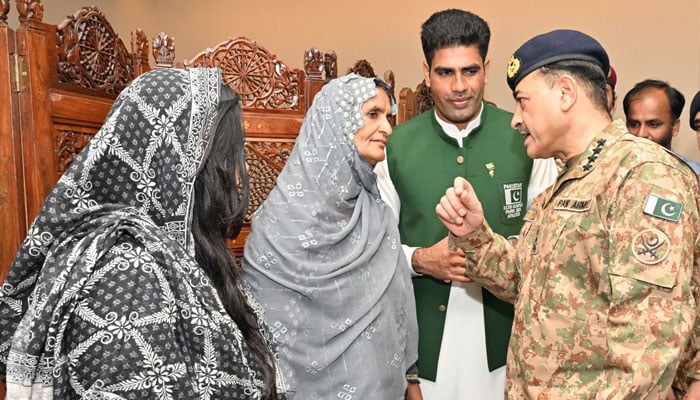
x=653 y=110
x=610 y=83
x=695 y=116
x=463 y=331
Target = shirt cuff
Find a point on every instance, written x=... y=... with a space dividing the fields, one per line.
x=408 y=253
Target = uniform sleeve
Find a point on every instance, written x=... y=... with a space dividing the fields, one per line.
x=491 y=261
x=653 y=224
x=689 y=368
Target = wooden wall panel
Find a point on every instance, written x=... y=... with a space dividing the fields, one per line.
x=12 y=218
x=35 y=42
x=12 y=215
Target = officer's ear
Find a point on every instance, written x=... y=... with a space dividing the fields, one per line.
x=569 y=90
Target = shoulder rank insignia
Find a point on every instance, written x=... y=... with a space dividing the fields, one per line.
x=663 y=208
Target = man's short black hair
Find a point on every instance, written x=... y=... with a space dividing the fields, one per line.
x=452 y=28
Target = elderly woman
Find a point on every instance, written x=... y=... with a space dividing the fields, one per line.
x=124 y=286
x=324 y=255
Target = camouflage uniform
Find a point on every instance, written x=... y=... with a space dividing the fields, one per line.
x=601 y=274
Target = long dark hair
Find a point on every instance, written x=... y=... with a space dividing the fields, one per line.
x=220 y=203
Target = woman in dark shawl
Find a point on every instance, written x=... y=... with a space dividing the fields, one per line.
x=124 y=286
x=324 y=255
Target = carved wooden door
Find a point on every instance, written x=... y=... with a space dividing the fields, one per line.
x=12 y=216
x=11 y=192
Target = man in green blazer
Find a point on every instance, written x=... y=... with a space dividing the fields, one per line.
x=463 y=330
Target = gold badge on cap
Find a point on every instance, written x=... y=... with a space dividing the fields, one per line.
x=513 y=66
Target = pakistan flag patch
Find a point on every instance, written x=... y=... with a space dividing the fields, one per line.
x=663 y=208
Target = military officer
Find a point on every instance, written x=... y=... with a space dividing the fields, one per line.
x=602 y=272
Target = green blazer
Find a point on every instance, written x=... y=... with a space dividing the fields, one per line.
x=423 y=161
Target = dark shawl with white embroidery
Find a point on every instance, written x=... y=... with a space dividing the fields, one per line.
x=105 y=298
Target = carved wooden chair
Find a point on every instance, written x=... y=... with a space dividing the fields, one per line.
x=413 y=102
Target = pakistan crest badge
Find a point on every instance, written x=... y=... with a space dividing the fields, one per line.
x=513 y=205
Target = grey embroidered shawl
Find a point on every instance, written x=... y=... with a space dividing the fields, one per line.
x=105 y=299
x=324 y=260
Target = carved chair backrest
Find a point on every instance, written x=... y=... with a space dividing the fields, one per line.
x=413 y=102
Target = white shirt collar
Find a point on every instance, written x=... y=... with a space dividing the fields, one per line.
x=452 y=131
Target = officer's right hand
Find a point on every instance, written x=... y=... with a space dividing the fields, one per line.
x=459 y=209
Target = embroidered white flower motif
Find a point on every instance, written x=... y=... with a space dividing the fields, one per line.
x=207 y=376
x=102 y=141
x=37 y=240
x=81 y=198
x=145 y=185
x=121 y=328
x=138 y=257
x=162 y=374
x=199 y=317
x=157 y=375
x=163 y=124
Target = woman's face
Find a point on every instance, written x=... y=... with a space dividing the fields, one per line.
x=371 y=138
